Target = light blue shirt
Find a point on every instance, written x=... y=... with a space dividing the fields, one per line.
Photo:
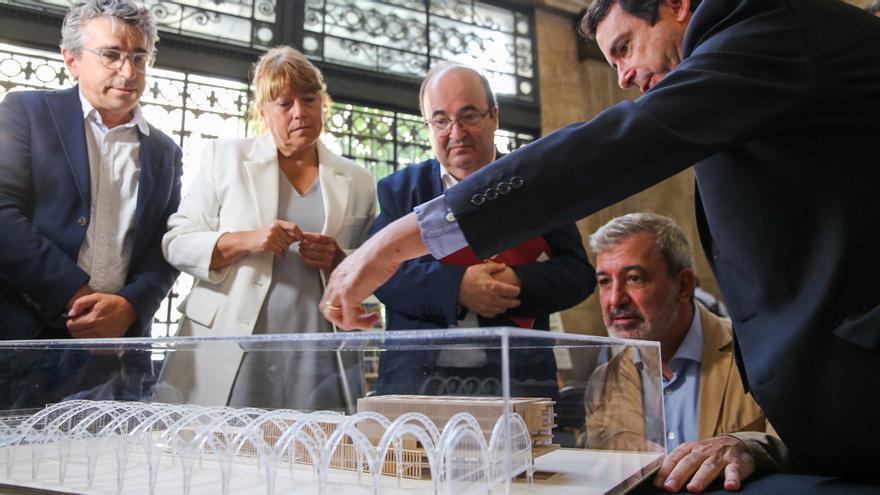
x=681 y=393
x=439 y=228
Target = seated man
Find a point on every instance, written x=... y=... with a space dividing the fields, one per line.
x=644 y=269
x=519 y=287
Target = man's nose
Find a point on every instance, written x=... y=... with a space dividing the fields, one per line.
x=127 y=69
x=618 y=296
x=457 y=130
x=625 y=76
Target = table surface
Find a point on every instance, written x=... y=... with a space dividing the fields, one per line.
x=560 y=472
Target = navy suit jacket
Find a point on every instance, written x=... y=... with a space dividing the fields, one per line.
x=423 y=294
x=777 y=102
x=44 y=211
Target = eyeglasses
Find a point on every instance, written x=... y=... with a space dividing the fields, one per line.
x=443 y=125
x=114 y=59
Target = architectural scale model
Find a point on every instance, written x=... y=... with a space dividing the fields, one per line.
x=460 y=444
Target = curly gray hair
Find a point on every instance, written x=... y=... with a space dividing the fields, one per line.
x=127 y=11
x=670 y=239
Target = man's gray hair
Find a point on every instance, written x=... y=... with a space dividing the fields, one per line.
x=670 y=239
x=127 y=11
x=445 y=66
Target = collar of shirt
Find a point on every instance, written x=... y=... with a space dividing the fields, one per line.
x=690 y=350
x=446 y=179
x=137 y=119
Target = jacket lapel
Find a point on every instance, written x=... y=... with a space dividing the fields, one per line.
x=65 y=109
x=335 y=186
x=434 y=180
x=714 y=374
x=148 y=153
x=263 y=178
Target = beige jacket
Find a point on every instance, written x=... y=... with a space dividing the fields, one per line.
x=615 y=410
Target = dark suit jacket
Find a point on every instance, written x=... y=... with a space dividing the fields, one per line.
x=423 y=294
x=44 y=209
x=777 y=102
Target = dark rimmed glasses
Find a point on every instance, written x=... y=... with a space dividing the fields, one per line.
x=443 y=125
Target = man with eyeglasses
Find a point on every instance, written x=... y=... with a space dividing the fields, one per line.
x=520 y=287
x=86 y=187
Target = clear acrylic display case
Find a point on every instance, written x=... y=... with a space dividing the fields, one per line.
x=497 y=410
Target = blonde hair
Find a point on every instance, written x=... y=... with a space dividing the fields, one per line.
x=285 y=67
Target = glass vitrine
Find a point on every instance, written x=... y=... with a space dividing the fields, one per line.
x=497 y=410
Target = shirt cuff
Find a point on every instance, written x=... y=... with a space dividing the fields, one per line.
x=439 y=228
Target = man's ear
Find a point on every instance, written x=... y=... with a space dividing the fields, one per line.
x=687 y=281
x=680 y=8
x=71 y=62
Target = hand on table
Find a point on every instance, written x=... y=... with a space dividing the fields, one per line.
x=703 y=461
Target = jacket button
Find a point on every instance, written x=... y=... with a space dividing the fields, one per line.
x=491 y=194
x=478 y=199
x=503 y=188
x=516 y=182
x=81 y=221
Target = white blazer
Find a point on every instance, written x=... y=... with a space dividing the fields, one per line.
x=236 y=190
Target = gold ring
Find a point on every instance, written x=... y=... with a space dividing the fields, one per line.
x=330 y=306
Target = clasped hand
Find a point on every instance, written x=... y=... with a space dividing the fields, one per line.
x=489 y=289
x=98 y=315
x=317 y=250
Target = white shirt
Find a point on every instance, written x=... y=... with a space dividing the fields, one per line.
x=114 y=167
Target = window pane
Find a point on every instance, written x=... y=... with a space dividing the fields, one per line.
x=399 y=37
x=240 y=22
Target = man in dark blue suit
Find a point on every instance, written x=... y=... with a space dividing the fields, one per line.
x=86 y=187
x=776 y=102
x=462 y=117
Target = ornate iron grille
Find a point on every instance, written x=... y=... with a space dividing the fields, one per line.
x=380 y=140
x=241 y=22
x=406 y=37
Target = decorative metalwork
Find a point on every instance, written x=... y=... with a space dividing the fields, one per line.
x=193 y=108
x=406 y=37
x=384 y=141
x=380 y=140
x=241 y=22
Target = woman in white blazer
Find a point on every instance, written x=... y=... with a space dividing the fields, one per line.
x=263 y=225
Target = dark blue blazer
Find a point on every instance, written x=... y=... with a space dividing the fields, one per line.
x=777 y=104
x=44 y=211
x=423 y=294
